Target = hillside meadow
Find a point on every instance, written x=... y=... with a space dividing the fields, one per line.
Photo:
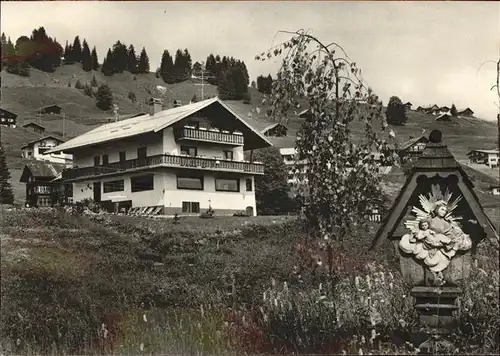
x=222 y=286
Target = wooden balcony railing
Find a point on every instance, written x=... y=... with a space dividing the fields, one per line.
x=186 y=133
x=165 y=160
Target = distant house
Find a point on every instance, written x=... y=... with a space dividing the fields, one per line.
x=42 y=186
x=444 y=108
x=8 y=118
x=412 y=148
x=487 y=157
x=465 y=112
x=37 y=149
x=408 y=105
x=495 y=189
x=275 y=130
x=51 y=109
x=34 y=127
x=289 y=158
x=447 y=116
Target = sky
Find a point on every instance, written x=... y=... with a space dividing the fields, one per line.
x=424 y=52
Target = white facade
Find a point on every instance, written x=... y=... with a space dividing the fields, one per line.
x=37 y=150
x=185 y=173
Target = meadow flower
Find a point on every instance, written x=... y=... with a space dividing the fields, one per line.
x=144 y=318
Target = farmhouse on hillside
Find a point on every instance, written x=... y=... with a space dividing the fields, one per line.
x=487 y=157
x=51 y=109
x=447 y=116
x=275 y=130
x=42 y=188
x=8 y=118
x=180 y=160
x=495 y=189
x=412 y=148
x=38 y=150
x=466 y=112
x=408 y=105
x=34 y=127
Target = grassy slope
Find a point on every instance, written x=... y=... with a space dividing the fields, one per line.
x=25 y=95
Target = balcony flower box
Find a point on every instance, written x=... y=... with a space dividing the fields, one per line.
x=202 y=129
x=214 y=130
x=225 y=132
x=238 y=133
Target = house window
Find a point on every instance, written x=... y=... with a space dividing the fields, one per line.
x=191 y=151
x=227 y=185
x=97 y=160
x=123 y=156
x=142 y=183
x=105 y=160
x=190 y=207
x=228 y=155
x=142 y=153
x=68 y=190
x=248 y=183
x=114 y=186
x=190 y=182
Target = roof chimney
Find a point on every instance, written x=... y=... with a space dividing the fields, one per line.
x=155 y=105
x=177 y=103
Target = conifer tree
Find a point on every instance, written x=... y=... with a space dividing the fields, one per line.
x=226 y=87
x=106 y=67
x=6 y=195
x=131 y=60
x=178 y=65
x=68 y=55
x=95 y=61
x=167 y=72
x=86 y=57
x=76 y=53
x=143 y=65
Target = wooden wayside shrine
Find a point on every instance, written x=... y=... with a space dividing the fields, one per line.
x=434 y=225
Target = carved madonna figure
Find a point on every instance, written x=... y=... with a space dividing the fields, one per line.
x=435 y=236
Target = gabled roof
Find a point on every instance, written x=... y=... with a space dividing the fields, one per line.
x=407 y=144
x=9 y=112
x=49 y=106
x=483 y=151
x=32 y=123
x=444 y=116
x=464 y=110
x=41 y=170
x=436 y=160
x=41 y=139
x=147 y=124
x=272 y=126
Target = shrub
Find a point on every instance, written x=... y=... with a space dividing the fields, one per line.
x=87 y=90
x=93 y=82
x=79 y=85
x=132 y=96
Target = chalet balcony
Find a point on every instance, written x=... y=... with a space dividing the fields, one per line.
x=165 y=160
x=209 y=135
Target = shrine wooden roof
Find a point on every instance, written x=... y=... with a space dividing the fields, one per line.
x=436 y=160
